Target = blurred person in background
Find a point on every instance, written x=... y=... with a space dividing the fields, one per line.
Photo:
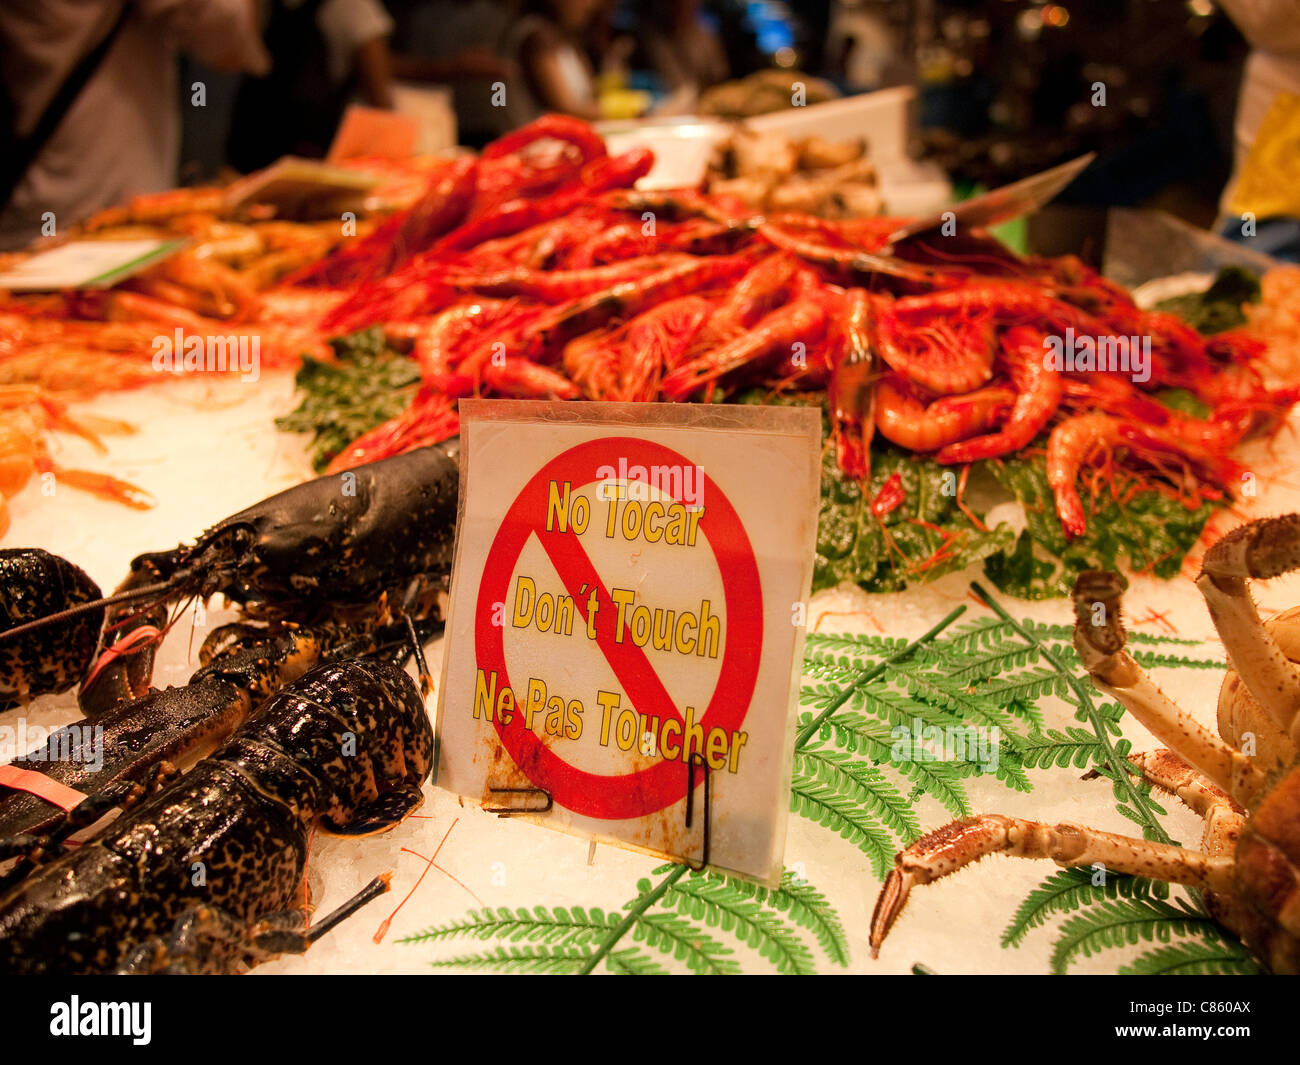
x=90 y=101
x=816 y=18
x=546 y=46
x=681 y=44
x=1266 y=173
x=324 y=55
x=862 y=51
x=454 y=42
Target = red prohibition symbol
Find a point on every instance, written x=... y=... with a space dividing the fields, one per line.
x=644 y=791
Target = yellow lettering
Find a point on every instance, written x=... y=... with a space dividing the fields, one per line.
x=557 y=509
x=675 y=531
x=696 y=515
x=710 y=633
x=676 y=726
x=692 y=736
x=545 y=611
x=554 y=723
x=536 y=700
x=716 y=754
x=485 y=693
x=625 y=736
x=631 y=523
x=608 y=704
x=663 y=636
x=525 y=591
x=653 y=534
x=737 y=741
x=684 y=646
x=573 y=720
x=623 y=599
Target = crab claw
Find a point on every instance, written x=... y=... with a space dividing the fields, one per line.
x=938 y=854
x=889 y=904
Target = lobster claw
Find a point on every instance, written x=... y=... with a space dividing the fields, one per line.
x=35 y=584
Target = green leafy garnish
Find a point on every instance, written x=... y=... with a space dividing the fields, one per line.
x=368 y=385
x=1182 y=401
x=928 y=534
x=924 y=537
x=1219 y=307
x=1150 y=531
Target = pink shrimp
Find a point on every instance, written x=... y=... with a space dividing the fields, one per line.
x=1038 y=395
x=905 y=416
x=1077 y=439
x=851 y=394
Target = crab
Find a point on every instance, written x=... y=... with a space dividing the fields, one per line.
x=1244 y=782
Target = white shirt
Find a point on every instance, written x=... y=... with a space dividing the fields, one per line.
x=121 y=137
x=346 y=25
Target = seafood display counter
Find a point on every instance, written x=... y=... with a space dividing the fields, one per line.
x=208 y=448
x=1003 y=435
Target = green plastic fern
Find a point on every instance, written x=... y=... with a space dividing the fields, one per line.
x=720 y=905
x=572 y=927
x=672 y=921
x=1207 y=957
x=685 y=941
x=991 y=673
x=1125 y=922
x=807 y=907
x=1066 y=891
x=543 y=959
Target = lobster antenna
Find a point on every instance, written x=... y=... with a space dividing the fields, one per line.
x=422 y=665
x=143 y=592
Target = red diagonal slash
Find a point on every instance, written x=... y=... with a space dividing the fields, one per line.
x=629 y=662
x=642 y=791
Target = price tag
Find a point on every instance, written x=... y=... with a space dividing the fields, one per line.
x=369 y=131
x=87 y=264
x=626 y=628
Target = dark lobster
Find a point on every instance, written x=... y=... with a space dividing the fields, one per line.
x=35 y=584
x=203 y=876
x=335 y=547
x=336 y=566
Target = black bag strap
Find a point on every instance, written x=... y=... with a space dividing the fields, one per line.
x=24 y=152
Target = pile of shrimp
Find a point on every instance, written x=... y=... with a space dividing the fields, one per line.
x=224 y=285
x=537 y=269
x=949 y=347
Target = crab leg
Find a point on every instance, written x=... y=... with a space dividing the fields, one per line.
x=1224 y=819
x=1099 y=638
x=1264 y=548
x=962 y=842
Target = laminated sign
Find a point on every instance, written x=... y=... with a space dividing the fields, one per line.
x=626 y=626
